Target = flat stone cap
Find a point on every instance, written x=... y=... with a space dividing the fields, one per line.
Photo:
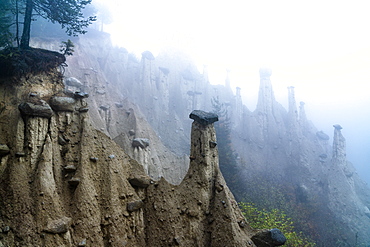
x=30 y=109
x=148 y=55
x=265 y=72
x=203 y=118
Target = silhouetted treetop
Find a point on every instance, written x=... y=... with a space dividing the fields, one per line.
x=67 y=13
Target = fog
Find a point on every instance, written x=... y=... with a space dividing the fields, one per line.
x=320 y=48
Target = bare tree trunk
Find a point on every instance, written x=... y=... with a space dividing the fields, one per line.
x=25 y=40
x=17 y=22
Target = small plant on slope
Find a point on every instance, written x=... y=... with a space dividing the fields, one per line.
x=66 y=48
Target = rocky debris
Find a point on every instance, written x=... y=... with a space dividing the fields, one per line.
x=94 y=159
x=367 y=211
x=212 y=144
x=321 y=135
x=269 y=238
x=30 y=109
x=104 y=107
x=82 y=243
x=219 y=187
x=62 y=103
x=6 y=229
x=323 y=156
x=72 y=81
x=135 y=205
x=58 y=226
x=242 y=223
x=101 y=92
x=131 y=132
x=140 y=181
x=4 y=149
x=118 y=104
x=203 y=118
x=140 y=142
x=83 y=109
x=19 y=154
x=74 y=182
x=177 y=240
x=80 y=95
x=61 y=140
x=70 y=168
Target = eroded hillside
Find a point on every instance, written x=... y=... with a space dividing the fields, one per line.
x=64 y=183
x=280 y=147
x=143 y=104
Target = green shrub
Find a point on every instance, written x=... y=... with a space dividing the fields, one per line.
x=263 y=219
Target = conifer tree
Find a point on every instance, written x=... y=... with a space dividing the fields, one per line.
x=227 y=159
x=66 y=48
x=5 y=23
x=67 y=13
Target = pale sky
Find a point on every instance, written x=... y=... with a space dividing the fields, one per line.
x=322 y=48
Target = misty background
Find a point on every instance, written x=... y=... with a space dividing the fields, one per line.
x=320 y=48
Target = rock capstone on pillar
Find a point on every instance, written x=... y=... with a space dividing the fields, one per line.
x=203 y=118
